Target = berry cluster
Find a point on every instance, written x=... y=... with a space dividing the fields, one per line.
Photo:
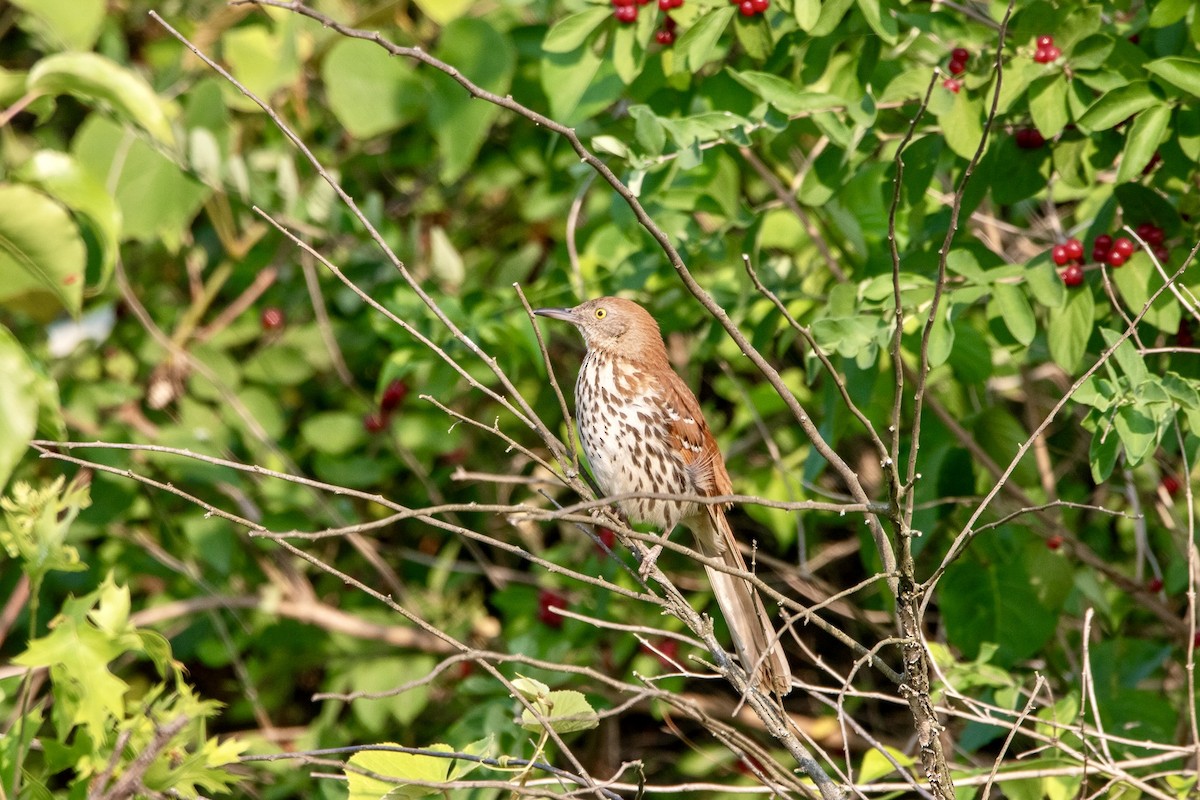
x=958 y=65
x=748 y=8
x=627 y=13
x=1046 y=52
x=389 y=401
x=1154 y=236
x=1107 y=250
x=1069 y=255
x=666 y=34
x=1114 y=252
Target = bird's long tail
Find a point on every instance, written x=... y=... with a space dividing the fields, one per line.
x=751 y=628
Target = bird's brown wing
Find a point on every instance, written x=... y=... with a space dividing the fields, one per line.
x=694 y=441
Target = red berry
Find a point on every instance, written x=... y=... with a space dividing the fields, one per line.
x=957 y=67
x=1155 y=160
x=1059 y=254
x=1196 y=639
x=665 y=37
x=465 y=668
x=1042 y=55
x=1073 y=275
x=606 y=537
x=1045 y=41
x=643 y=2
x=1151 y=234
x=623 y=3
x=1101 y=247
x=1053 y=54
x=960 y=54
x=746 y=8
x=669 y=22
x=1054 y=542
x=393 y=395
x=546 y=599
x=272 y=319
x=1154 y=585
x=1162 y=253
x=761 y=5
x=1029 y=138
x=1170 y=485
x=1124 y=246
x=665 y=650
x=665 y=5
x=1183 y=337
x=626 y=14
x=953 y=84
x=1115 y=259
x=374 y=422
x=1074 y=249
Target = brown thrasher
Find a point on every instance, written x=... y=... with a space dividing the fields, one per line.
x=643 y=431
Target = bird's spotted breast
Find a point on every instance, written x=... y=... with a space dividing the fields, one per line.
x=626 y=437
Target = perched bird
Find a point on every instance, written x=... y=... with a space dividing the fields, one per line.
x=642 y=431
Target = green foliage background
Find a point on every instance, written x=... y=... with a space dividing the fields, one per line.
x=131 y=178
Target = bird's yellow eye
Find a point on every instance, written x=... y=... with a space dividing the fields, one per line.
x=601 y=313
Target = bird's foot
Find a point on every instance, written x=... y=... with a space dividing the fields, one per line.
x=648 y=562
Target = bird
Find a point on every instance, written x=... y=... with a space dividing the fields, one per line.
x=643 y=431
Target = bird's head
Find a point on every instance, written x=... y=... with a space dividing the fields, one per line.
x=611 y=324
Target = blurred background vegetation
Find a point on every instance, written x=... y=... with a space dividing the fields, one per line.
x=144 y=300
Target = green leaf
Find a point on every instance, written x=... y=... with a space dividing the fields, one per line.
x=876 y=765
x=65 y=24
x=369 y=91
x=963 y=125
x=628 y=48
x=941 y=336
x=648 y=129
x=1148 y=131
x=157 y=200
x=882 y=21
x=1118 y=105
x=1126 y=356
x=401 y=768
x=1048 y=104
x=1139 y=435
x=1136 y=281
x=61 y=175
x=1168 y=12
x=572 y=31
x=1091 y=52
x=783 y=94
x=1046 y=285
x=1182 y=73
x=18 y=403
x=994 y=603
x=333 y=432
x=460 y=123
x=566 y=711
x=42 y=257
x=443 y=11
x=94 y=78
x=696 y=44
x=1070 y=328
x=754 y=35
x=832 y=14
x=807 y=13
x=1012 y=306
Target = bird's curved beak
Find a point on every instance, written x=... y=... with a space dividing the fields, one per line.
x=565 y=314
